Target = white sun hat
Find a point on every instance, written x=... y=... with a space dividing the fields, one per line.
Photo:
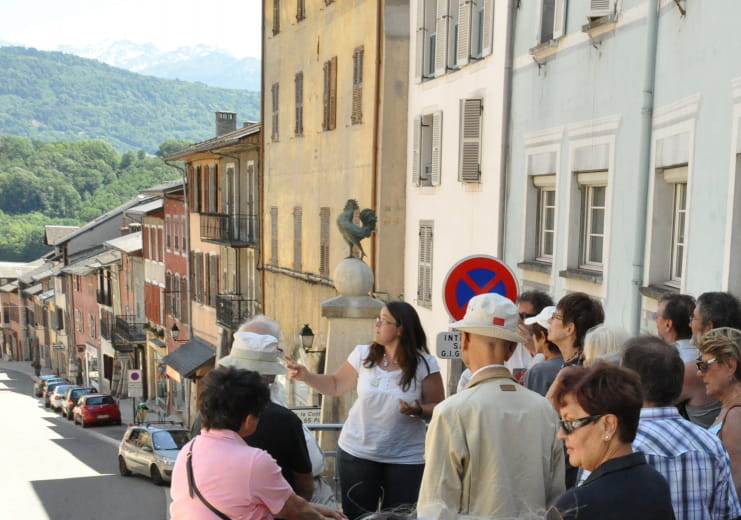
x=543 y=317
x=492 y=315
x=252 y=351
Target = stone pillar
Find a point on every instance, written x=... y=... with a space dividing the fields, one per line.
x=351 y=317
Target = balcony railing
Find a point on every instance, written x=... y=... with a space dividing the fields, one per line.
x=233 y=309
x=235 y=230
x=129 y=330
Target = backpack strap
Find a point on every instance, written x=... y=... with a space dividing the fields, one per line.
x=192 y=488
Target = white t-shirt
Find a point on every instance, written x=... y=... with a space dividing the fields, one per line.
x=375 y=428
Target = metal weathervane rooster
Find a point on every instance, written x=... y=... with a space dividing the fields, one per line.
x=351 y=232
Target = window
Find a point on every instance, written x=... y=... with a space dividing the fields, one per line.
x=196 y=275
x=184 y=300
x=297 y=216
x=546 y=216
x=212 y=279
x=324 y=242
x=300 y=10
x=552 y=20
x=213 y=188
x=470 y=144
x=299 y=82
x=678 y=230
x=274 y=235
x=91 y=324
x=79 y=320
x=195 y=190
x=274 y=94
x=276 y=17
x=176 y=234
x=357 y=86
x=482 y=28
x=329 y=120
x=424 y=264
x=160 y=244
x=426 y=152
x=168 y=232
x=593 y=187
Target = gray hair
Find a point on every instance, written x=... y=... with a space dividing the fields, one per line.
x=604 y=342
x=261 y=324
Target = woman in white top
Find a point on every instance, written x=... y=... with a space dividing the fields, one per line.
x=381 y=447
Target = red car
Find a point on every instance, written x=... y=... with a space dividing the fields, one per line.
x=96 y=408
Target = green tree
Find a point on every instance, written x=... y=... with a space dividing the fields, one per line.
x=172 y=145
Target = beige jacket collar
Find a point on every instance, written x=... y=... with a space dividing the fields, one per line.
x=490 y=373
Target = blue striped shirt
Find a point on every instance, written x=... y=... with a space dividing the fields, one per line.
x=692 y=460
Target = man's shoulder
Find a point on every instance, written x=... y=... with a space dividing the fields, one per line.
x=668 y=436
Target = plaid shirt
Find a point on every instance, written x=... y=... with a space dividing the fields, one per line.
x=692 y=460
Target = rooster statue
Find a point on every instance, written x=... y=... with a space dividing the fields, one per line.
x=351 y=232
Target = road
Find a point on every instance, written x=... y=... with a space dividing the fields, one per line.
x=53 y=469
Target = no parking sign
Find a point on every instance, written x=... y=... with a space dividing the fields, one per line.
x=476 y=275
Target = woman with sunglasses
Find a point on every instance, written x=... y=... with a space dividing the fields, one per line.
x=720 y=369
x=600 y=407
x=381 y=446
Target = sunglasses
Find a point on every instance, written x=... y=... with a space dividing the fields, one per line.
x=557 y=316
x=526 y=315
x=703 y=366
x=570 y=426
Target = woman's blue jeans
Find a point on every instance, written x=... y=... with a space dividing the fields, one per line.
x=368 y=485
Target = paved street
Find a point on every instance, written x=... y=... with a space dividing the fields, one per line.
x=53 y=469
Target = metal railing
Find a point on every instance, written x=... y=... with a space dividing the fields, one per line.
x=233 y=229
x=234 y=309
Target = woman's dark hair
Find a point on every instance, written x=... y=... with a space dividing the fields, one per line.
x=583 y=311
x=412 y=343
x=229 y=395
x=601 y=389
x=542 y=333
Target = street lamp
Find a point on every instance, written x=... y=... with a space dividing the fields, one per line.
x=306 y=335
x=175 y=331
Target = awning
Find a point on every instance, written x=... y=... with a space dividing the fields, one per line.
x=189 y=357
x=33 y=290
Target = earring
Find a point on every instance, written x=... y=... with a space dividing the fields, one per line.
x=607 y=437
x=731 y=380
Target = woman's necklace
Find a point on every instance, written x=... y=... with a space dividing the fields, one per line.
x=386 y=362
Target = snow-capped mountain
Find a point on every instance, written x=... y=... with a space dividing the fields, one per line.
x=209 y=65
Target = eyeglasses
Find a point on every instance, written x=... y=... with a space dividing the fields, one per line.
x=526 y=315
x=703 y=366
x=570 y=426
x=380 y=321
x=557 y=316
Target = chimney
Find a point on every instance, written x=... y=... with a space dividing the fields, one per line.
x=225 y=122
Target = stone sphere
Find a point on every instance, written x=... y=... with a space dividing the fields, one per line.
x=353 y=277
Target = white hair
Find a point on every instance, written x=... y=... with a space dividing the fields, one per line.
x=604 y=342
x=261 y=324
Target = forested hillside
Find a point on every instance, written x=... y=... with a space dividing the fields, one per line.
x=53 y=96
x=68 y=183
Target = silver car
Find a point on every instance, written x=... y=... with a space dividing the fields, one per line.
x=150 y=449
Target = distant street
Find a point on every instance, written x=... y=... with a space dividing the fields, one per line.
x=53 y=469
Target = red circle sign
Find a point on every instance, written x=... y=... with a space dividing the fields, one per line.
x=476 y=275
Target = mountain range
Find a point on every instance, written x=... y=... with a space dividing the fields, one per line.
x=54 y=96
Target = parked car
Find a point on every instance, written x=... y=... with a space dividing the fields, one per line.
x=50 y=386
x=96 y=408
x=150 y=449
x=57 y=396
x=72 y=395
x=38 y=386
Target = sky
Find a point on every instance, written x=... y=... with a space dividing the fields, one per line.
x=232 y=25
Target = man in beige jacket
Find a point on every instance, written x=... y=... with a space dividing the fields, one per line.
x=491 y=450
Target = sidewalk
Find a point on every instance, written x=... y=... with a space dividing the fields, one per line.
x=22 y=366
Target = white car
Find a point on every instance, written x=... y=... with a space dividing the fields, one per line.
x=56 y=398
x=150 y=449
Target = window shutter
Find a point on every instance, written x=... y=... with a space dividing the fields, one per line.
x=441 y=38
x=559 y=18
x=357 y=86
x=325 y=98
x=297 y=216
x=276 y=17
x=274 y=235
x=464 y=32
x=598 y=8
x=324 y=242
x=487 y=37
x=213 y=279
x=299 y=82
x=470 y=153
x=184 y=299
x=416 y=143
x=421 y=39
x=437 y=142
x=424 y=273
x=275 y=113
x=332 y=123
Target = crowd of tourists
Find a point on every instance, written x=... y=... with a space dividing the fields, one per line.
x=559 y=415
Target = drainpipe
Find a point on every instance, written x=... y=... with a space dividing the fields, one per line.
x=644 y=158
x=505 y=159
x=376 y=118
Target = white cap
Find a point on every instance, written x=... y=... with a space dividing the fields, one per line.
x=542 y=318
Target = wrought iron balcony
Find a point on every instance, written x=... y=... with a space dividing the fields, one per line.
x=234 y=230
x=234 y=309
x=129 y=330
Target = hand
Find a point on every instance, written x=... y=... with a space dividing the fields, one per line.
x=329 y=512
x=296 y=371
x=411 y=410
x=524 y=331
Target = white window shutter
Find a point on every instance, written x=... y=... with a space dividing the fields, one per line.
x=559 y=18
x=420 y=45
x=437 y=141
x=487 y=38
x=470 y=151
x=598 y=8
x=416 y=150
x=441 y=38
x=464 y=32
